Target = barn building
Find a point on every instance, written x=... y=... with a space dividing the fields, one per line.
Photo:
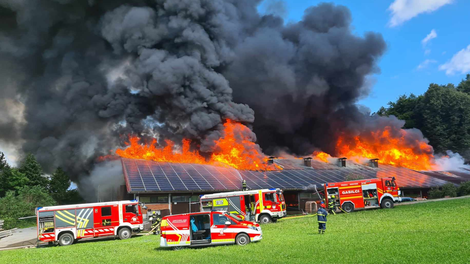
x=174 y=188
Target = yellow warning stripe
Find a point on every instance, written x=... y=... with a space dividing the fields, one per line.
x=223 y=240
x=351 y=197
x=260 y=199
x=67 y=212
x=174 y=243
x=66 y=216
x=350 y=187
x=66 y=221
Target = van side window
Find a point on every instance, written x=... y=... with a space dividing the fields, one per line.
x=221 y=219
x=269 y=197
x=105 y=211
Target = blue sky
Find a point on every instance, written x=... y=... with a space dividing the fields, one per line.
x=404 y=31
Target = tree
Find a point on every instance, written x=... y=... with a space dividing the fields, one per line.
x=11 y=179
x=33 y=171
x=464 y=85
x=59 y=184
x=3 y=161
x=464 y=189
x=13 y=205
x=449 y=189
x=445 y=118
x=404 y=109
x=72 y=197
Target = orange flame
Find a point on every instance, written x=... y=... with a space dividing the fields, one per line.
x=321 y=156
x=389 y=150
x=234 y=149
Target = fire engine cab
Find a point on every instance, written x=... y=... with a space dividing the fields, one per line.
x=66 y=223
x=360 y=194
x=207 y=228
x=264 y=206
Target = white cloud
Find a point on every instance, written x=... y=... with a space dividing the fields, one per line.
x=404 y=10
x=430 y=36
x=460 y=62
x=425 y=64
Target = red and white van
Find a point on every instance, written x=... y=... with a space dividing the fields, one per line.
x=207 y=228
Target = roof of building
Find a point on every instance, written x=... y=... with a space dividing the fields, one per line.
x=150 y=176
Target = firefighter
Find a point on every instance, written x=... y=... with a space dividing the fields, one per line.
x=321 y=217
x=244 y=187
x=332 y=205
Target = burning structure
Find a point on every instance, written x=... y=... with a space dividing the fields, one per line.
x=190 y=77
x=175 y=187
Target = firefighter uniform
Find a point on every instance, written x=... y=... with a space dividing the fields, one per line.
x=332 y=205
x=321 y=217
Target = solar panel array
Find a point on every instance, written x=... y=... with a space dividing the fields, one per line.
x=149 y=176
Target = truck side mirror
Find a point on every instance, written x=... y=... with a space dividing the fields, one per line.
x=227 y=223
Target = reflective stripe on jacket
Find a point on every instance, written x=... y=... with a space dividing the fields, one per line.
x=321 y=215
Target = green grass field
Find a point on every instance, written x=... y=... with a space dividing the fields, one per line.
x=435 y=232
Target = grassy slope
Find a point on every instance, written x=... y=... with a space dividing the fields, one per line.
x=423 y=233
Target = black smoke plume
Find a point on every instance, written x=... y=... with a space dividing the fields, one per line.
x=87 y=72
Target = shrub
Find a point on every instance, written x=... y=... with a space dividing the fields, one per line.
x=464 y=189
x=449 y=189
x=435 y=193
x=14 y=206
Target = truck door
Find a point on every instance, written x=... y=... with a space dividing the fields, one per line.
x=130 y=213
x=105 y=218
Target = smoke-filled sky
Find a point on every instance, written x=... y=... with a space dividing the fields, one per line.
x=427 y=41
x=81 y=75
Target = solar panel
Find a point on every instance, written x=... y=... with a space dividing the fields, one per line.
x=149 y=176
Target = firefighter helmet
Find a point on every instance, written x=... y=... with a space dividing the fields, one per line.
x=322 y=205
x=333 y=196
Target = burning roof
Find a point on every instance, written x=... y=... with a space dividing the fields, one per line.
x=158 y=176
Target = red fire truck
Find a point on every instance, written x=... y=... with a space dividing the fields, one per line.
x=264 y=206
x=360 y=194
x=207 y=228
x=67 y=223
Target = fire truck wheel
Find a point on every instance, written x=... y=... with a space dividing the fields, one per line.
x=265 y=219
x=348 y=207
x=124 y=233
x=66 y=239
x=242 y=239
x=387 y=203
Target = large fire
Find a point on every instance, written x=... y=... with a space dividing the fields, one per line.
x=234 y=149
x=321 y=156
x=391 y=150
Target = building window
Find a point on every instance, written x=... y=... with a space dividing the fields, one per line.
x=195 y=198
x=105 y=211
x=154 y=199
x=180 y=199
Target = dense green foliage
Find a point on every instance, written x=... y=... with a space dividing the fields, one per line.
x=13 y=205
x=442 y=113
x=33 y=171
x=464 y=189
x=23 y=189
x=432 y=232
x=450 y=190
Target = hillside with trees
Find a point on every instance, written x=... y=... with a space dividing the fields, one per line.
x=24 y=188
